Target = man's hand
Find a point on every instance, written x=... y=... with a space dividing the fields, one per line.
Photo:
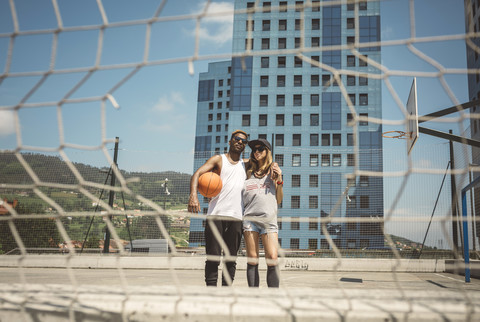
x=193 y=204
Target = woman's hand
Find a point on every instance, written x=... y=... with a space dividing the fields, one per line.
x=276 y=172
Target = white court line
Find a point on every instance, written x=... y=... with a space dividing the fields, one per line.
x=450 y=277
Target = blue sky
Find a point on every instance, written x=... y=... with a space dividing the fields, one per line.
x=156 y=119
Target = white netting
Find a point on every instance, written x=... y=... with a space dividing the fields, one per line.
x=68 y=67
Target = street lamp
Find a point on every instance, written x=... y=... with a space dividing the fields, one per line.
x=165 y=186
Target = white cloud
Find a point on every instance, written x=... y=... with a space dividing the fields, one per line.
x=216 y=29
x=168 y=102
x=7 y=123
x=167 y=114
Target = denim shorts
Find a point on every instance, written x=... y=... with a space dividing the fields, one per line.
x=252 y=226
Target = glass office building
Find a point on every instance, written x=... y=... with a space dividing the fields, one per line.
x=283 y=84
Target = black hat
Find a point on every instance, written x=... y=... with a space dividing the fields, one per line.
x=264 y=142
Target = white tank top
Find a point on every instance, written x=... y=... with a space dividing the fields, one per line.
x=229 y=202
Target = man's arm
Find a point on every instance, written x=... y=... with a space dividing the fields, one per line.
x=212 y=164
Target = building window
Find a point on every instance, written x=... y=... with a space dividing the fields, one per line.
x=246 y=120
x=217 y=139
x=219 y=116
x=314 y=120
x=279 y=159
x=312 y=243
x=297 y=80
x=265 y=62
x=364 y=202
x=210 y=106
x=298 y=6
x=350 y=23
x=314 y=80
x=363 y=62
x=281 y=100
x=219 y=105
x=282 y=43
x=325 y=160
x=265 y=43
x=262 y=120
x=210 y=117
x=314 y=139
x=281 y=81
x=297 y=100
x=298 y=62
x=350 y=160
x=363 y=181
x=295 y=181
x=297 y=119
x=314 y=160
x=363 y=99
x=296 y=160
x=315 y=5
x=350 y=141
x=279 y=140
x=315 y=24
x=298 y=24
x=282 y=25
x=326 y=80
x=296 y=139
x=315 y=61
x=352 y=98
x=263 y=100
x=313 y=181
x=248 y=44
x=267 y=7
x=350 y=40
x=280 y=120
x=352 y=203
x=249 y=25
x=325 y=139
x=209 y=128
x=363 y=122
x=336 y=160
x=263 y=81
x=350 y=61
x=315 y=41
x=283 y=6
x=295 y=201
x=350 y=80
x=312 y=204
x=218 y=128
x=266 y=25
x=294 y=243
x=336 y=139
x=362 y=81
x=314 y=100
x=281 y=62
x=298 y=43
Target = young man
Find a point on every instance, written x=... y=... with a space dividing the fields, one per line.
x=224 y=210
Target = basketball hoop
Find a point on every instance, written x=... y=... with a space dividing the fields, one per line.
x=398 y=135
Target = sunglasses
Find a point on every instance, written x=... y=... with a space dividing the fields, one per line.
x=237 y=138
x=259 y=149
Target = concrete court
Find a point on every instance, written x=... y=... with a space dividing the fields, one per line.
x=152 y=294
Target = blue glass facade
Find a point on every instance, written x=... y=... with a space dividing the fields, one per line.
x=298 y=105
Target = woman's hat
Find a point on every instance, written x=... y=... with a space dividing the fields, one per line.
x=264 y=142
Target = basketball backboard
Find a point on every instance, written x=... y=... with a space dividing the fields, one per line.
x=412 y=121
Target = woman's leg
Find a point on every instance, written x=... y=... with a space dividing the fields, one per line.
x=252 y=244
x=270 y=244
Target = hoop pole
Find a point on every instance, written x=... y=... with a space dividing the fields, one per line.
x=466 y=251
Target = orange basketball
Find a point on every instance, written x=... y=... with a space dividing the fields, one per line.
x=209 y=184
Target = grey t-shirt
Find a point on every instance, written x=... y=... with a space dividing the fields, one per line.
x=260 y=202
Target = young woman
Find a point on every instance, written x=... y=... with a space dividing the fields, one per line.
x=262 y=192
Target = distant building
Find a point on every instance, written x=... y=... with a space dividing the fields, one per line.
x=280 y=92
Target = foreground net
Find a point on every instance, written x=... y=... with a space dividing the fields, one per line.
x=60 y=211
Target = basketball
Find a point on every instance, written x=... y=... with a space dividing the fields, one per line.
x=209 y=184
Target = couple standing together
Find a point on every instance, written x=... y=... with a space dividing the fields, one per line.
x=252 y=189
